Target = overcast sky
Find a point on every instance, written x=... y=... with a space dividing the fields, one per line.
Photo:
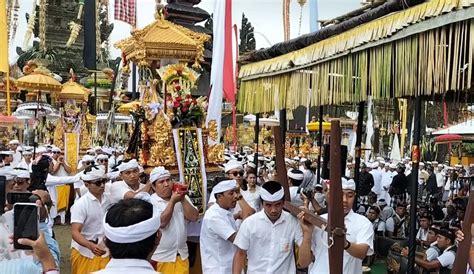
x=265 y=15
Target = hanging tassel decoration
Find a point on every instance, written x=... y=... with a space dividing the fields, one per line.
x=75 y=28
x=42 y=25
x=30 y=27
x=98 y=6
x=16 y=7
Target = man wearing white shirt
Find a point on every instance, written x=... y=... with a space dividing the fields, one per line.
x=14 y=146
x=267 y=238
x=359 y=241
x=377 y=174
x=176 y=208
x=130 y=186
x=88 y=253
x=425 y=224
x=444 y=262
x=61 y=200
x=295 y=178
x=25 y=162
x=219 y=229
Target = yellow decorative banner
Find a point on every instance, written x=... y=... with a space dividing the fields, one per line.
x=71 y=149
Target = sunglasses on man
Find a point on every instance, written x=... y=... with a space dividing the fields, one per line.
x=99 y=182
x=235 y=173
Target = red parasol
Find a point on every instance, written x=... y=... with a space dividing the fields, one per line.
x=448 y=138
x=8 y=119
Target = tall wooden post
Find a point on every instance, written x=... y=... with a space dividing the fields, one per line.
x=358 y=149
x=335 y=209
x=415 y=157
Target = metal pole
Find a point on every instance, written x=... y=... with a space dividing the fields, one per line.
x=358 y=149
x=96 y=109
x=415 y=157
x=257 y=130
x=320 y=144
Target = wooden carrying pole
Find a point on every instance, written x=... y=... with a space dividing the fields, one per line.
x=335 y=208
x=462 y=254
x=283 y=180
x=415 y=157
x=336 y=250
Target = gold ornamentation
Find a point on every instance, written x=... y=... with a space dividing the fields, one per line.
x=71 y=149
x=212 y=128
x=58 y=136
x=162 y=39
x=85 y=136
x=158 y=134
x=215 y=153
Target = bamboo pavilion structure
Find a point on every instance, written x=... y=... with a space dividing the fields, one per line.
x=399 y=49
x=422 y=50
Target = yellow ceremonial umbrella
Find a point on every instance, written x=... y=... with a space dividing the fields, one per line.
x=126 y=108
x=39 y=80
x=73 y=91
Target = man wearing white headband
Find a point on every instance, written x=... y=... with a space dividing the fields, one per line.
x=131 y=228
x=21 y=181
x=61 y=168
x=14 y=145
x=25 y=162
x=359 y=241
x=130 y=186
x=295 y=178
x=267 y=237
x=88 y=252
x=86 y=161
x=176 y=208
x=234 y=171
x=6 y=156
x=219 y=229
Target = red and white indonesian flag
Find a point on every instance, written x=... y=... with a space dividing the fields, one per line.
x=223 y=62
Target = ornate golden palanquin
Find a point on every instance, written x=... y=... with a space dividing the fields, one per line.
x=163 y=39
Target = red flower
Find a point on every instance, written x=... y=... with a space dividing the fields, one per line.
x=194 y=102
x=176 y=104
x=177 y=87
x=178 y=98
x=187 y=104
x=184 y=109
x=189 y=96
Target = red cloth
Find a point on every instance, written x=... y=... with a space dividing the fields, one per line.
x=228 y=70
x=126 y=10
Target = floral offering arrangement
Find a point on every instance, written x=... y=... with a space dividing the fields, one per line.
x=186 y=110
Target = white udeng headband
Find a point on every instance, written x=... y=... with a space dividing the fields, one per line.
x=266 y=196
x=133 y=233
